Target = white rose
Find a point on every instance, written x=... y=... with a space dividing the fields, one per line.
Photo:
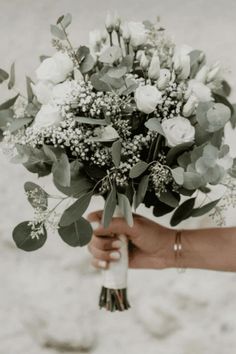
x=178 y=130
x=138 y=33
x=147 y=97
x=43 y=91
x=55 y=69
x=182 y=62
x=200 y=91
x=48 y=115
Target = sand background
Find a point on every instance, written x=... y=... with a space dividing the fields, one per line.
x=48 y=300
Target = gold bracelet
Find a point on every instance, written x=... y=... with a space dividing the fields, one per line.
x=178 y=250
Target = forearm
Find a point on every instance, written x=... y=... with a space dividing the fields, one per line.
x=213 y=249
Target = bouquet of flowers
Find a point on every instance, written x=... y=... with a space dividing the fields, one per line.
x=132 y=118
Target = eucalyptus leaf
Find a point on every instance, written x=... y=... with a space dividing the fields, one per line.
x=204 y=209
x=110 y=55
x=57 y=32
x=178 y=175
x=169 y=198
x=65 y=20
x=50 y=153
x=30 y=92
x=109 y=208
x=141 y=191
x=61 y=171
x=92 y=121
x=98 y=84
x=117 y=73
x=116 y=153
x=3 y=76
x=154 y=124
x=9 y=103
x=23 y=239
x=192 y=180
x=77 y=234
x=40 y=199
x=76 y=210
x=125 y=208
x=87 y=64
x=138 y=169
x=176 y=151
x=183 y=212
x=19 y=123
x=11 y=82
x=6 y=116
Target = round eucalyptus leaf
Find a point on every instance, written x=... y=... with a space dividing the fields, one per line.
x=77 y=234
x=23 y=239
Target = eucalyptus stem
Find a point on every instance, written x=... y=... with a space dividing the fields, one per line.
x=110 y=38
x=70 y=45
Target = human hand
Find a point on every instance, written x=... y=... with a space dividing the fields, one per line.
x=150 y=244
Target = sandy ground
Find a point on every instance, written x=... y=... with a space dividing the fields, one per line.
x=48 y=300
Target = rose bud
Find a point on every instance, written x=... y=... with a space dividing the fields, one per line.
x=154 y=68
x=190 y=106
x=144 y=62
x=109 y=23
x=202 y=74
x=164 y=79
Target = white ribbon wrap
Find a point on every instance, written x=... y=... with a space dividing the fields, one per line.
x=115 y=277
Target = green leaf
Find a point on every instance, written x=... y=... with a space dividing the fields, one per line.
x=141 y=191
x=6 y=116
x=30 y=92
x=110 y=55
x=77 y=234
x=66 y=20
x=221 y=99
x=82 y=52
x=109 y=208
x=204 y=209
x=170 y=198
x=11 y=82
x=87 y=64
x=233 y=117
x=192 y=180
x=98 y=84
x=92 y=121
x=178 y=175
x=116 y=153
x=43 y=57
x=19 y=123
x=212 y=116
x=76 y=210
x=9 y=103
x=154 y=124
x=117 y=73
x=50 y=153
x=176 y=151
x=23 y=239
x=3 y=75
x=41 y=197
x=61 y=171
x=161 y=209
x=125 y=208
x=138 y=169
x=183 y=212
x=57 y=32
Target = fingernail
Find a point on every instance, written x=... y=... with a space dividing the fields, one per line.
x=95 y=225
x=116 y=244
x=115 y=255
x=102 y=264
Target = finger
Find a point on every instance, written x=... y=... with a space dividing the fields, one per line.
x=95 y=216
x=117 y=226
x=104 y=255
x=106 y=243
x=97 y=263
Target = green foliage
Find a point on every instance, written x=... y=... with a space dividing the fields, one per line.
x=37 y=196
x=87 y=64
x=192 y=180
x=77 y=234
x=3 y=76
x=12 y=79
x=116 y=153
x=57 y=32
x=6 y=116
x=178 y=175
x=61 y=171
x=23 y=239
x=212 y=116
x=183 y=212
x=204 y=209
x=76 y=210
x=138 y=169
x=141 y=191
x=125 y=208
x=176 y=151
x=170 y=198
x=91 y=121
x=110 y=55
x=19 y=123
x=98 y=84
x=154 y=125
x=117 y=73
x=30 y=93
x=109 y=207
x=65 y=20
x=9 y=103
